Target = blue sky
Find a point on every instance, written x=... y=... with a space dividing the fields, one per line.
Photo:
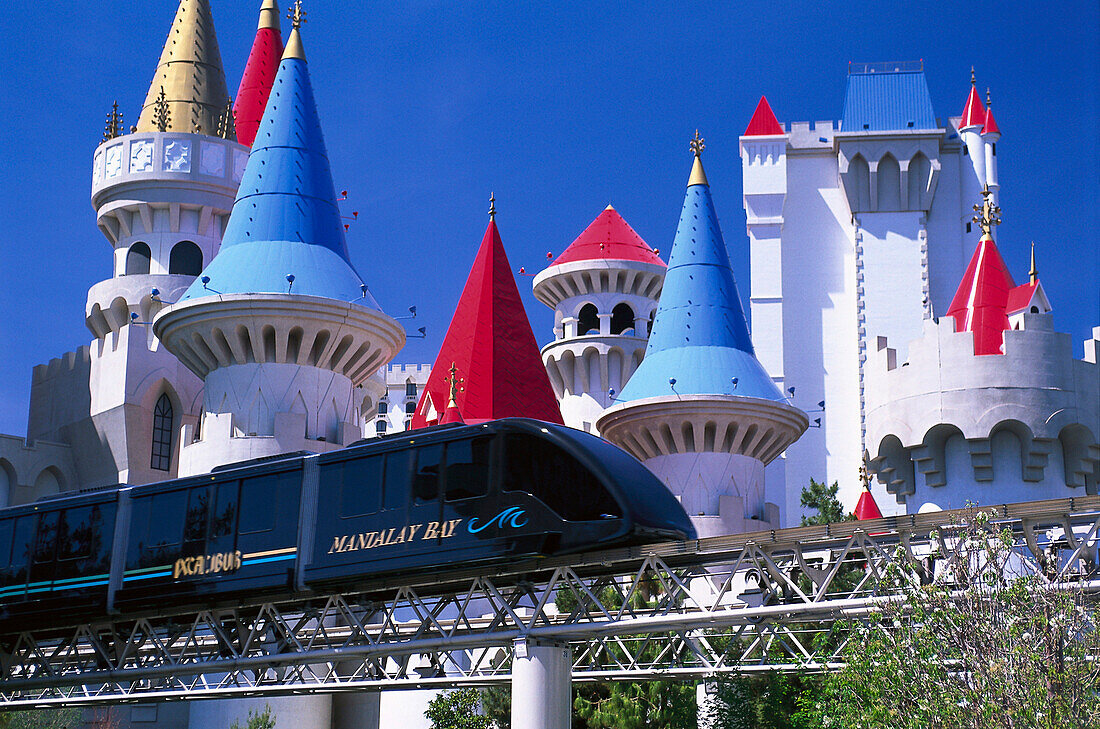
x=559 y=109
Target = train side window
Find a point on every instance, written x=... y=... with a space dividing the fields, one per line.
x=257 y=510
x=426 y=484
x=398 y=474
x=22 y=543
x=165 y=519
x=45 y=541
x=467 y=468
x=557 y=479
x=223 y=520
x=195 y=518
x=7 y=527
x=360 y=481
x=74 y=538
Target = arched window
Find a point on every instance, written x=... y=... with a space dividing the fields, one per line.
x=380 y=427
x=622 y=319
x=889 y=183
x=137 y=259
x=920 y=171
x=410 y=408
x=860 y=173
x=410 y=389
x=185 y=259
x=383 y=408
x=588 y=320
x=162 y=435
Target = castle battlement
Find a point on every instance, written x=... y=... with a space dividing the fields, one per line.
x=397 y=374
x=76 y=361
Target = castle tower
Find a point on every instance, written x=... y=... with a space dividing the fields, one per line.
x=604 y=289
x=970 y=127
x=700 y=411
x=259 y=74
x=490 y=347
x=991 y=134
x=279 y=326
x=991 y=406
x=162 y=195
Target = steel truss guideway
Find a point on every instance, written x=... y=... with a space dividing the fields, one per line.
x=763 y=601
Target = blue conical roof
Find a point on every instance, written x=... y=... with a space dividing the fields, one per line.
x=285 y=220
x=700 y=337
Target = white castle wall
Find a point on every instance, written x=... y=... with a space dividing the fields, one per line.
x=947 y=427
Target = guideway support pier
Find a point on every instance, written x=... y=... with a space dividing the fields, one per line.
x=541 y=685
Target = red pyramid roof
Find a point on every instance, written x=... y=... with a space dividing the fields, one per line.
x=609 y=237
x=974 y=111
x=990 y=123
x=258 y=78
x=451 y=415
x=763 y=121
x=981 y=300
x=492 y=347
x=866 y=508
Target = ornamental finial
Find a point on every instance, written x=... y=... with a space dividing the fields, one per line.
x=227 y=127
x=114 y=126
x=1033 y=274
x=973 y=78
x=988 y=101
x=988 y=213
x=162 y=116
x=456 y=385
x=697 y=144
x=492 y=207
x=865 y=476
x=296 y=14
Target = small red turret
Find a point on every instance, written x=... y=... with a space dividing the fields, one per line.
x=259 y=74
x=763 y=122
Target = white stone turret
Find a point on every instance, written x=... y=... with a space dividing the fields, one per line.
x=280 y=326
x=991 y=134
x=970 y=126
x=604 y=290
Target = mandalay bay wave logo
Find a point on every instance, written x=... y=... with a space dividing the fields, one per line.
x=510 y=517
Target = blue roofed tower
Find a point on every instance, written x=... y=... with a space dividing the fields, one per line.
x=279 y=325
x=700 y=411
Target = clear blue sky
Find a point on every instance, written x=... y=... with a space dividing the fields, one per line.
x=559 y=109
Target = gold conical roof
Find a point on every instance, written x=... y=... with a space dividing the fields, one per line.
x=190 y=72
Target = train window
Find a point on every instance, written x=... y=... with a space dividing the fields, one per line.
x=45 y=542
x=7 y=527
x=224 y=519
x=360 y=482
x=398 y=472
x=467 y=468
x=165 y=515
x=21 y=545
x=257 y=509
x=555 y=478
x=194 y=520
x=426 y=484
x=74 y=538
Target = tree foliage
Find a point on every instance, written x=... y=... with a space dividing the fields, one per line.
x=458 y=709
x=823 y=500
x=257 y=719
x=988 y=645
x=41 y=719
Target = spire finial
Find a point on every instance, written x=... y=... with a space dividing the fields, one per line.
x=492 y=207
x=697 y=144
x=296 y=14
x=227 y=127
x=162 y=117
x=456 y=385
x=988 y=101
x=114 y=126
x=973 y=78
x=865 y=476
x=988 y=213
x=1033 y=274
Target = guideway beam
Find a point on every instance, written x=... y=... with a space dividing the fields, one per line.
x=541 y=685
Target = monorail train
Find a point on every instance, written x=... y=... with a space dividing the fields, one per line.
x=423 y=501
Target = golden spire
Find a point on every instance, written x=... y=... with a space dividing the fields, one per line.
x=1033 y=274
x=269 y=15
x=294 y=47
x=190 y=73
x=456 y=385
x=988 y=214
x=698 y=176
x=492 y=207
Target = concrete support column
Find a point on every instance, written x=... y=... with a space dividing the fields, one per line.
x=542 y=686
x=569 y=325
x=605 y=324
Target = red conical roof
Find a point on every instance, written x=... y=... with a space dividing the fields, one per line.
x=609 y=237
x=493 y=349
x=259 y=75
x=763 y=121
x=974 y=111
x=990 y=123
x=980 y=303
x=866 y=508
x=451 y=415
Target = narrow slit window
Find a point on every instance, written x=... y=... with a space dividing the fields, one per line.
x=162 y=435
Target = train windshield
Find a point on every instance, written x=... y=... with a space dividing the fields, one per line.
x=557 y=479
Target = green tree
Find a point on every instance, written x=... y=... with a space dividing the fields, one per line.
x=638 y=705
x=257 y=720
x=823 y=500
x=458 y=709
x=988 y=645
x=41 y=719
x=496 y=702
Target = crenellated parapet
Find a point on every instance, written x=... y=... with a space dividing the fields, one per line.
x=948 y=426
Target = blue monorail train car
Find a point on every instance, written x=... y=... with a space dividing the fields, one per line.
x=421 y=502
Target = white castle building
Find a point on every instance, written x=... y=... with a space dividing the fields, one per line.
x=949 y=379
